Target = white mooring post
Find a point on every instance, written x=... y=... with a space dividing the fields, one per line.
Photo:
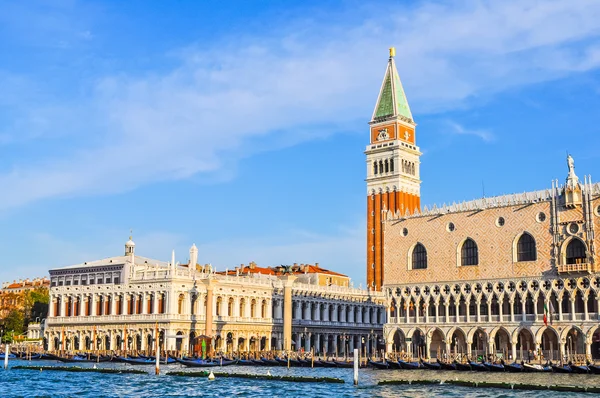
x=6 y=353
x=356 y=366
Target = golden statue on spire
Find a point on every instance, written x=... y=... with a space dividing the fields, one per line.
x=392 y=52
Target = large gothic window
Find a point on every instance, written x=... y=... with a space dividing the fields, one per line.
x=576 y=252
x=469 y=254
x=526 y=250
x=419 y=257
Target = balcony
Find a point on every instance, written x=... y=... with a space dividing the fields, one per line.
x=581 y=267
x=104 y=319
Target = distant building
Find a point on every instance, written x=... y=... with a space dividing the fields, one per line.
x=12 y=294
x=116 y=303
x=505 y=275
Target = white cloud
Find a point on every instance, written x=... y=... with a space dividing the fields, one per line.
x=458 y=129
x=221 y=100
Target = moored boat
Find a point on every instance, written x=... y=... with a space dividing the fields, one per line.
x=479 y=367
x=581 y=369
x=137 y=361
x=328 y=364
x=494 y=367
x=344 y=364
x=561 y=369
x=409 y=365
x=431 y=365
x=10 y=356
x=269 y=362
x=463 y=367
x=203 y=363
x=245 y=362
x=379 y=365
x=513 y=367
x=447 y=365
x=595 y=369
x=527 y=367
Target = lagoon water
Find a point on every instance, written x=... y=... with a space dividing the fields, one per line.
x=29 y=383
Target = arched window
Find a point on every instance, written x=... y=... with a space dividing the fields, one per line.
x=253 y=308
x=380 y=167
x=469 y=254
x=180 y=304
x=230 y=307
x=387 y=166
x=374 y=167
x=526 y=250
x=576 y=252
x=392 y=165
x=419 y=257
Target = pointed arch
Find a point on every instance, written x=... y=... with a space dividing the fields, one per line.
x=524 y=248
x=574 y=251
x=417 y=256
x=467 y=253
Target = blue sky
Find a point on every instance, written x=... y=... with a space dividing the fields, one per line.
x=240 y=126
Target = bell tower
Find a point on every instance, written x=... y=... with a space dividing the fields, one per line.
x=392 y=167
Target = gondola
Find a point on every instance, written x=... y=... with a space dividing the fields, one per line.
x=203 y=363
x=245 y=362
x=163 y=360
x=409 y=365
x=463 y=367
x=344 y=364
x=536 y=368
x=292 y=362
x=137 y=361
x=393 y=365
x=10 y=356
x=594 y=369
x=494 y=367
x=562 y=369
x=269 y=362
x=581 y=369
x=379 y=365
x=327 y=364
x=431 y=365
x=446 y=365
x=513 y=367
x=75 y=358
x=479 y=367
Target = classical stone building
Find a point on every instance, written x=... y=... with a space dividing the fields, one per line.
x=502 y=275
x=122 y=303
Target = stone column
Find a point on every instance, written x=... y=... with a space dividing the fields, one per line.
x=514 y=349
x=585 y=308
x=468 y=309
x=437 y=312
x=307 y=342
x=560 y=308
x=288 y=281
x=144 y=303
x=512 y=312
x=524 y=309
x=572 y=299
x=208 y=325
x=269 y=314
x=113 y=304
x=93 y=306
x=478 y=302
x=447 y=306
x=500 y=310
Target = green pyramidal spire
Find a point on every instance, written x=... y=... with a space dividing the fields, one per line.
x=392 y=101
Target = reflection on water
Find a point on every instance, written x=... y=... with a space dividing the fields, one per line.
x=51 y=384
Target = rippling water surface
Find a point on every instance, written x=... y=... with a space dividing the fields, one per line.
x=21 y=383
